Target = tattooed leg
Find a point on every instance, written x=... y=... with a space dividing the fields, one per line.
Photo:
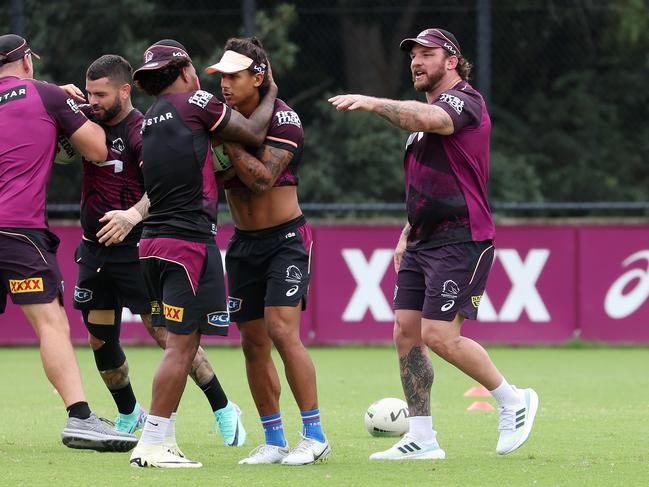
x=417 y=379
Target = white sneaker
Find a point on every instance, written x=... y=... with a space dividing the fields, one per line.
x=516 y=422
x=408 y=448
x=158 y=456
x=171 y=446
x=265 y=454
x=308 y=451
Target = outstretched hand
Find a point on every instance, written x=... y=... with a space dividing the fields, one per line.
x=353 y=102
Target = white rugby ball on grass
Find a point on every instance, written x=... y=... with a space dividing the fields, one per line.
x=387 y=417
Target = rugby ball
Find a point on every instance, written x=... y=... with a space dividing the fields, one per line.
x=387 y=417
x=65 y=151
x=220 y=159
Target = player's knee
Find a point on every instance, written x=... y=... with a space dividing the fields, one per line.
x=104 y=340
x=255 y=348
x=442 y=344
x=405 y=330
x=282 y=333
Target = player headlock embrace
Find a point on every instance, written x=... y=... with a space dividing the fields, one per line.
x=110 y=277
x=268 y=260
x=181 y=261
x=446 y=250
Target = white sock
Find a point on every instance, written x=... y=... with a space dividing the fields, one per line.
x=505 y=395
x=154 y=430
x=421 y=428
x=170 y=434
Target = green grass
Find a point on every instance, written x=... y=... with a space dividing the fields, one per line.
x=592 y=427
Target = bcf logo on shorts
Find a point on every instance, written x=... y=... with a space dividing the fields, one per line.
x=29 y=285
x=82 y=295
x=234 y=304
x=219 y=318
x=173 y=313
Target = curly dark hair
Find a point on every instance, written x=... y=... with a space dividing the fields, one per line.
x=254 y=49
x=464 y=68
x=153 y=82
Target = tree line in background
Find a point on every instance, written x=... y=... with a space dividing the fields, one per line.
x=568 y=98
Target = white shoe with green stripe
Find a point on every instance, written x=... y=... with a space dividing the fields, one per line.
x=516 y=422
x=409 y=448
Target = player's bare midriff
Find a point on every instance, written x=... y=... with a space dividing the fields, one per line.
x=256 y=211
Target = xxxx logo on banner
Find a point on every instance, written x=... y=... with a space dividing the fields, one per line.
x=30 y=285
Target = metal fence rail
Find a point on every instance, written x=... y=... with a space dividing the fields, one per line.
x=72 y=209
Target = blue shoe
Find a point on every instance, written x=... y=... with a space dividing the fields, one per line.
x=130 y=423
x=228 y=421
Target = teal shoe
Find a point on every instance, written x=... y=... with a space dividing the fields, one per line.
x=228 y=421
x=130 y=423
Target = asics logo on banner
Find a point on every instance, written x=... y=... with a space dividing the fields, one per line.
x=200 y=98
x=173 y=313
x=234 y=304
x=620 y=304
x=292 y=290
x=453 y=101
x=118 y=145
x=148 y=56
x=30 y=285
x=13 y=94
x=288 y=117
x=293 y=274
x=450 y=289
x=82 y=295
x=219 y=318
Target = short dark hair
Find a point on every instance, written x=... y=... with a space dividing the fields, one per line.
x=154 y=81
x=254 y=49
x=111 y=66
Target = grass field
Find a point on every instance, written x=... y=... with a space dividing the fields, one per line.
x=592 y=427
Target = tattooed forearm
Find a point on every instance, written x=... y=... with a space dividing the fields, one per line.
x=143 y=206
x=417 y=379
x=258 y=173
x=414 y=116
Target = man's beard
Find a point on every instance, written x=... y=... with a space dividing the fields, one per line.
x=432 y=80
x=109 y=113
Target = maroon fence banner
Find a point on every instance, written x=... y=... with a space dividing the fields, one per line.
x=614 y=277
x=549 y=283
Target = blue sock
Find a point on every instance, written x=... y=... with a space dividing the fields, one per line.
x=312 y=425
x=273 y=429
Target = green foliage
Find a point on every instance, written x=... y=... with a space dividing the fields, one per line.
x=352 y=157
x=274 y=30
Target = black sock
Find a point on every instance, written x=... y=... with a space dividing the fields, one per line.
x=215 y=394
x=79 y=410
x=124 y=399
